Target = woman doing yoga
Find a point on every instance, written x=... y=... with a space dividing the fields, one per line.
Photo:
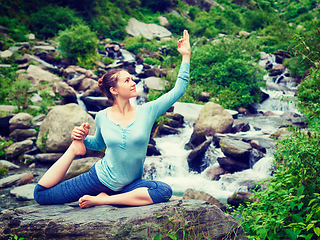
x=125 y=131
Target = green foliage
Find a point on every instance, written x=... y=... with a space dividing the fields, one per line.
x=15 y=29
x=226 y=69
x=15 y=237
x=157 y=5
x=20 y=94
x=50 y=19
x=4 y=170
x=3 y=145
x=177 y=23
x=78 y=44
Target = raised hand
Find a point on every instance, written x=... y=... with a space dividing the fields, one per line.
x=184 y=44
x=80 y=133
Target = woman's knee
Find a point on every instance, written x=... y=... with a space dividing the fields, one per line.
x=37 y=194
x=161 y=193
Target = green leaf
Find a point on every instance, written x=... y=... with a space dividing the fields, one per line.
x=291 y=234
x=317 y=231
x=172 y=236
x=158 y=216
x=310 y=226
x=292 y=205
x=300 y=205
x=158 y=237
x=300 y=191
x=263 y=233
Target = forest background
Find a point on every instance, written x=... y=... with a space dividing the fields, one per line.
x=225 y=67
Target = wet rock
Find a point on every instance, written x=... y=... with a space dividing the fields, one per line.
x=69 y=222
x=255 y=156
x=18 y=148
x=96 y=103
x=20 y=121
x=281 y=133
x=214 y=172
x=240 y=198
x=55 y=130
x=16 y=180
x=152 y=150
x=155 y=83
x=175 y=116
x=235 y=149
x=214 y=119
x=195 y=158
x=200 y=195
x=79 y=166
x=240 y=126
x=87 y=83
x=165 y=130
x=255 y=144
x=24 y=192
x=197 y=138
x=10 y=165
x=232 y=165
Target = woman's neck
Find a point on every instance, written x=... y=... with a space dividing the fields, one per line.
x=122 y=107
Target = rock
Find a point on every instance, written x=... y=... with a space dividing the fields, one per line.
x=20 y=121
x=149 y=31
x=152 y=150
x=255 y=144
x=4 y=124
x=39 y=75
x=200 y=195
x=96 y=103
x=289 y=115
x=204 y=4
x=255 y=156
x=47 y=157
x=204 y=97
x=214 y=119
x=164 y=21
x=244 y=34
x=6 y=54
x=10 y=165
x=31 y=36
x=22 y=134
x=67 y=92
x=195 y=161
x=281 y=133
x=165 y=130
x=18 y=148
x=235 y=149
x=69 y=222
x=240 y=198
x=44 y=48
x=175 y=116
x=268 y=113
x=25 y=192
x=55 y=130
x=79 y=166
x=214 y=172
x=155 y=83
x=232 y=165
x=197 y=138
x=87 y=83
x=240 y=126
x=16 y=180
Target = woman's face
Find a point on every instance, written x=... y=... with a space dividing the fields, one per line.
x=126 y=87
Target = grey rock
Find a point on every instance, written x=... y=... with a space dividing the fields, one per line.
x=22 y=134
x=16 y=180
x=10 y=165
x=47 y=157
x=20 y=121
x=195 y=157
x=6 y=54
x=79 y=166
x=24 y=192
x=155 y=83
x=69 y=222
x=236 y=149
x=18 y=148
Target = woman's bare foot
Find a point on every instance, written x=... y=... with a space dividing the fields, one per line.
x=90 y=201
x=78 y=147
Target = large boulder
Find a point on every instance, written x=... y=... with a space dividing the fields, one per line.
x=111 y=222
x=79 y=166
x=37 y=75
x=213 y=118
x=149 y=31
x=236 y=149
x=55 y=130
x=18 y=148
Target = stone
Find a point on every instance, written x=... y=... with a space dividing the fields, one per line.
x=4 y=123
x=20 y=121
x=24 y=192
x=16 y=180
x=232 y=165
x=195 y=158
x=66 y=91
x=165 y=130
x=6 y=54
x=44 y=48
x=22 y=134
x=152 y=150
x=240 y=126
x=244 y=34
x=39 y=75
x=155 y=83
x=164 y=21
x=213 y=118
x=214 y=172
x=255 y=156
x=55 y=130
x=281 y=133
x=79 y=166
x=18 y=148
x=149 y=31
x=197 y=138
x=240 y=198
x=47 y=157
x=235 y=149
x=87 y=83
x=10 y=165
x=31 y=36
x=69 y=222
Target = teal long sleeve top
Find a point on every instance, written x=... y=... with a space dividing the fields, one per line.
x=127 y=147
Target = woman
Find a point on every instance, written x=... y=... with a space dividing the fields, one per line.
x=125 y=130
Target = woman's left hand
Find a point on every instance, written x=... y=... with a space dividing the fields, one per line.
x=184 y=44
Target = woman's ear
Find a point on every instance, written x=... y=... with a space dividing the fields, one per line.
x=113 y=91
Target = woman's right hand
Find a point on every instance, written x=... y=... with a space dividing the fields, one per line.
x=80 y=133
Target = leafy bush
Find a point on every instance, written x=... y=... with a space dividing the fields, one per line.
x=157 y=5
x=20 y=94
x=78 y=44
x=16 y=30
x=50 y=19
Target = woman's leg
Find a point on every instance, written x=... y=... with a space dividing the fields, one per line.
x=71 y=190
x=138 y=193
x=57 y=171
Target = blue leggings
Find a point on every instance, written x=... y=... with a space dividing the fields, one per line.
x=89 y=184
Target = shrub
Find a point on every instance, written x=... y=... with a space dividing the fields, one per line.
x=20 y=94
x=78 y=44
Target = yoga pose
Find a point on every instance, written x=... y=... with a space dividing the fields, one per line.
x=125 y=131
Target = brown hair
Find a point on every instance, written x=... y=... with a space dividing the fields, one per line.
x=108 y=80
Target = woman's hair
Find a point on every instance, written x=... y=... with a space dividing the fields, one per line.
x=108 y=80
